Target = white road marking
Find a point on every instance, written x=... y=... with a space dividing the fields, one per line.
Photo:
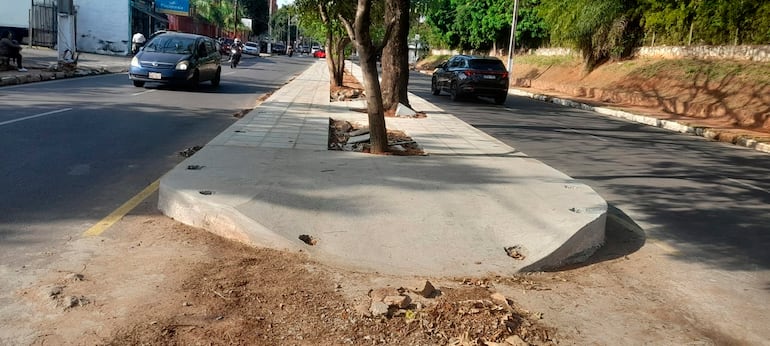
x=144 y=92
x=34 y=116
x=747 y=184
x=583 y=133
x=228 y=73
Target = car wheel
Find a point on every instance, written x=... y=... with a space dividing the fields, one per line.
x=217 y=77
x=454 y=94
x=500 y=99
x=138 y=83
x=434 y=89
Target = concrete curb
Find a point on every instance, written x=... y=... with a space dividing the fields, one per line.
x=42 y=76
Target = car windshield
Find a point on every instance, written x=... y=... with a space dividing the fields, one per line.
x=171 y=44
x=486 y=64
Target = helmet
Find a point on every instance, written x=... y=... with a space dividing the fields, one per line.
x=237 y=40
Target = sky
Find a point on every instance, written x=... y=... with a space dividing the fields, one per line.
x=282 y=3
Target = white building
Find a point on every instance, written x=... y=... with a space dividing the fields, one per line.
x=106 y=26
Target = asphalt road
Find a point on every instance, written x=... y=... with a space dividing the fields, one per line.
x=706 y=201
x=74 y=150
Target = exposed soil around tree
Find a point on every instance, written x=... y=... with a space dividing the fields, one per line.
x=399 y=143
x=340 y=132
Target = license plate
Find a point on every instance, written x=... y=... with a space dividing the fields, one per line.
x=155 y=75
x=489 y=76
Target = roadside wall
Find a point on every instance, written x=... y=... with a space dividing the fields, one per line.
x=744 y=52
x=102 y=26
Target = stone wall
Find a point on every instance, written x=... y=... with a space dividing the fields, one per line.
x=745 y=53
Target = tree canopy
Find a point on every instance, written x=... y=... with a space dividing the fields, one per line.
x=599 y=29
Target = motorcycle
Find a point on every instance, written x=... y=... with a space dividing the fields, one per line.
x=235 y=56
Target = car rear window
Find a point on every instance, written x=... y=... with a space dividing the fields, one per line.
x=487 y=64
x=171 y=44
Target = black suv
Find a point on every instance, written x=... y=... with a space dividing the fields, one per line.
x=471 y=75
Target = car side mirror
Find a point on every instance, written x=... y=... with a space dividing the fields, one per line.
x=442 y=65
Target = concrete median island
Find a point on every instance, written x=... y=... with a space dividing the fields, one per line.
x=472 y=206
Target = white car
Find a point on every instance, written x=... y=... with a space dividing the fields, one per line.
x=251 y=48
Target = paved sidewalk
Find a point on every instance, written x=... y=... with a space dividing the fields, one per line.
x=269 y=179
x=41 y=63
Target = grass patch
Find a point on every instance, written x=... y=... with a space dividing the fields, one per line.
x=547 y=60
x=431 y=61
x=694 y=69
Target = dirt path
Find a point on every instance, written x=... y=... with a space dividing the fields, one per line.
x=150 y=280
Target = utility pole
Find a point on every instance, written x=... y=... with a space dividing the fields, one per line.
x=235 y=23
x=512 y=41
x=66 y=45
x=269 y=26
x=288 y=34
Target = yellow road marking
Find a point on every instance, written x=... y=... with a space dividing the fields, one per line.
x=124 y=209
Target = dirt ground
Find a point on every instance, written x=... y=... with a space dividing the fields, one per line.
x=152 y=281
x=731 y=96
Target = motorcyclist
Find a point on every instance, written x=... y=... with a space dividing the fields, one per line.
x=137 y=41
x=236 y=49
x=237 y=45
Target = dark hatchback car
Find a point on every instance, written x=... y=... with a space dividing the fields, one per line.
x=466 y=75
x=177 y=58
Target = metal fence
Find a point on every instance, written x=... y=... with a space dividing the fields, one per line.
x=44 y=23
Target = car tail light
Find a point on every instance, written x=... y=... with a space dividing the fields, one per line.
x=505 y=75
x=469 y=72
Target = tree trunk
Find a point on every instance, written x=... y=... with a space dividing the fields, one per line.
x=335 y=50
x=368 y=59
x=339 y=60
x=335 y=59
x=395 y=56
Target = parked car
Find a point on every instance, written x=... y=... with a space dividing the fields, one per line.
x=177 y=58
x=251 y=48
x=319 y=54
x=303 y=50
x=470 y=75
x=278 y=48
x=315 y=48
x=224 y=45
